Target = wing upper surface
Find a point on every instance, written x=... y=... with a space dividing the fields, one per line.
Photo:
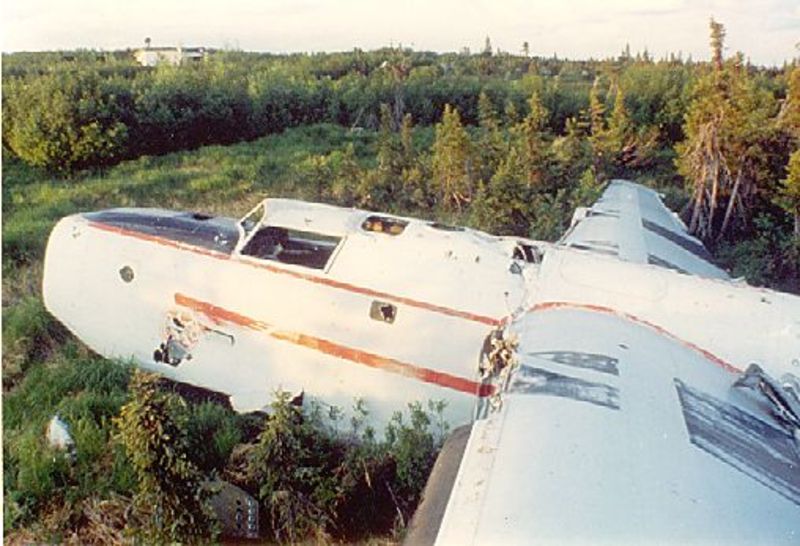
x=611 y=433
x=631 y=222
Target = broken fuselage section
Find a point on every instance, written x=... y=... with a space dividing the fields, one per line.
x=336 y=303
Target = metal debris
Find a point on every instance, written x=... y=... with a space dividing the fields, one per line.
x=59 y=436
x=498 y=358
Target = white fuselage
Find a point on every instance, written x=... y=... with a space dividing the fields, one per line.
x=248 y=326
x=266 y=325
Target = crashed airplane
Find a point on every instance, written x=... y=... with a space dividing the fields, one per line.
x=615 y=386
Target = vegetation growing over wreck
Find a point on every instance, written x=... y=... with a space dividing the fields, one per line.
x=502 y=142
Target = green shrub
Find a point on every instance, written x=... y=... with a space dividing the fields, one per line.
x=170 y=504
x=65 y=120
x=769 y=257
x=212 y=432
x=317 y=480
x=36 y=474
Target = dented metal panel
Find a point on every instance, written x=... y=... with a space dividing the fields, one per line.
x=752 y=445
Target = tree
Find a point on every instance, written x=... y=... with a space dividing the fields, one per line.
x=510 y=113
x=491 y=143
x=452 y=161
x=380 y=187
x=399 y=65
x=572 y=152
x=64 y=121
x=620 y=128
x=717 y=43
x=790 y=190
x=599 y=136
x=530 y=136
x=729 y=132
x=487 y=47
x=415 y=193
x=346 y=172
x=502 y=205
x=789 y=116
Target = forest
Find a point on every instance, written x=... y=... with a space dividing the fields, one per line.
x=504 y=142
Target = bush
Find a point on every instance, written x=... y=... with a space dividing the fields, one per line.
x=769 y=257
x=67 y=120
x=170 y=504
x=317 y=481
x=212 y=431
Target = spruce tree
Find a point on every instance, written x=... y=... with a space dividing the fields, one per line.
x=790 y=190
x=602 y=148
x=530 y=134
x=491 y=143
x=620 y=128
x=502 y=205
x=452 y=163
x=728 y=129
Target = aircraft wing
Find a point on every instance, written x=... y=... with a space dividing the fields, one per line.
x=606 y=431
x=631 y=222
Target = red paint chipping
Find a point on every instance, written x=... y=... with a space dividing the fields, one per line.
x=217 y=314
x=391 y=365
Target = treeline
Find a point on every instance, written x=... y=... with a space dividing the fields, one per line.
x=68 y=112
x=512 y=173
x=518 y=143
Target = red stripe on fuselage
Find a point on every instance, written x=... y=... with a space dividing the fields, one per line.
x=219 y=315
x=299 y=275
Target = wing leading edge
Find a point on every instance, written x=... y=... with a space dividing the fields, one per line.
x=608 y=432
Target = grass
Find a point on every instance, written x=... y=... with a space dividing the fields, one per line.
x=219 y=179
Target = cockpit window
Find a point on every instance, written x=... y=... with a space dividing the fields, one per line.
x=291 y=246
x=249 y=222
x=384 y=224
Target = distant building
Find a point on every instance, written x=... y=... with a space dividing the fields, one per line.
x=152 y=56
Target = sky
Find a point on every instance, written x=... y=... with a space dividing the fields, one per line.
x=766 y=31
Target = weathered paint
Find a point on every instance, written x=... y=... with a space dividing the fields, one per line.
x=766 y=453
x=611 y=331
x=222 y=316
x=532 y=380
x=601 y=363
x=269 y=325
x=711 y=357
x=553 y=470
x=300 y=275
